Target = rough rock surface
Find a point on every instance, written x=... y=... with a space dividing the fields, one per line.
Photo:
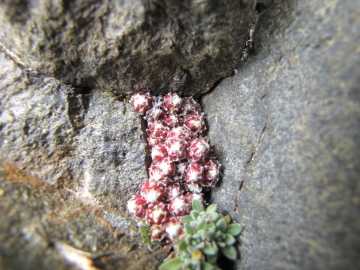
x=83 y=141
x=286 y=128
x=127 y=46
x=48 y=228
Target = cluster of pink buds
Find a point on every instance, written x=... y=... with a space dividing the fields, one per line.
x=182 y=163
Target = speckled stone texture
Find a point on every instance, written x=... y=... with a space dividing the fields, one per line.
x=79 y=143
x=129 y=45
x=286 y=129
x=43 y=227
x=85 y=142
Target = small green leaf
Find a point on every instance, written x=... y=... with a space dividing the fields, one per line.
x=211 y=226
x=214 y=216
x=186 y=219
x=202 y=225
x=229 y=252
x=209 y=250
x=210 y=235
x=214 y=245
x=189 y=230
x=211 y=208
x=202 y=234
x=201 y=245
x=229 y=239
x=212 y=258
x=221 y=244
x=181 y=245
x=207 y=266
x=194 y=223
x=197 y=205
x=194 y=214
x=188 y=239
x=234 y=229
x=173 y=264
x=191 y=249
x=221 y=225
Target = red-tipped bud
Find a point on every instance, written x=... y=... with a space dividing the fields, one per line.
x=173 y=229
x=173 y=191
x=157 y=233
x=137 y=206
x=158 y=130
x=180 y=171
x=211 y=176
x=180 y=206
x=195 y=122
x=171 y=120
x=157 y=214
x=152 y=192
x=189 y=105
x=160 y=170
x=176 y=148
x=195 y=196
x=172 y=101
x=158 y=153
x=194 y=173
x=141 y=102
x=180 y=132
x=152 y=141
x=198 y=149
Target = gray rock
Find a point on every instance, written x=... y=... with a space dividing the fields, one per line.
x=286 y=128
x=126 y=46
x=85 y=142
x=47 y=228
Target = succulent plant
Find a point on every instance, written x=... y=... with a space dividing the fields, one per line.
x=182 y=163
x=207 y=233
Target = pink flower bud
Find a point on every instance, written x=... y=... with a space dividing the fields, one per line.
x=212 y=169
x=152 y=192
x=180 y=171
x=158 y=130
x=153 y=115
x=194 y=173
x=195 y=196
x=160 y=170
x=158 y=152
x=173 y=191
x=180 y=132
x=171 y=120
x=189 y=105
x=157 y=214
x=173 y=229
x=137 y=206
x=172 y=101
x=152 y=141
x=157 y=233
x=141 y=102
x=176 y=148
x=195 y=122
x=179 y=206
x=198 y=149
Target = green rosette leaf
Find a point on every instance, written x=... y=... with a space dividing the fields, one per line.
x=197 y=205
x=234 y=229
x=209 y=250
x=229 y=252
x=173 y=264
x=229 y=239
x=186 y=219
x=211 y=208
x=221 y=225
